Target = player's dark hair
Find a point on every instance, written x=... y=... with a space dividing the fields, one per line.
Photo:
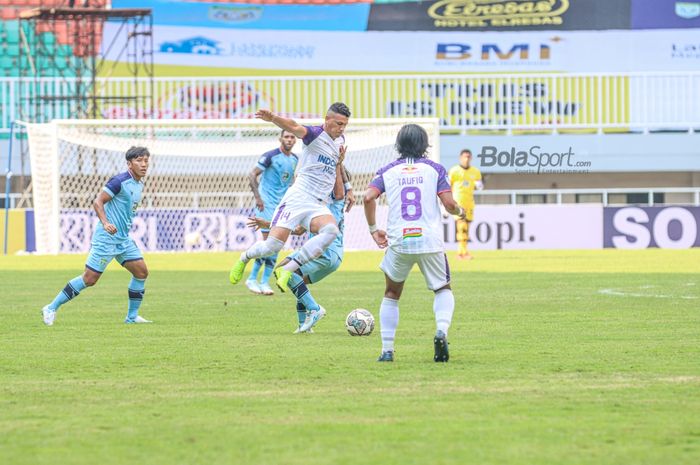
x=465 y=151
x=135 y=152
x=283 y=131
x=340 y=108
x=412 y=141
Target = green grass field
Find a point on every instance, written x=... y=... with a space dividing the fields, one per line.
x=556 y=358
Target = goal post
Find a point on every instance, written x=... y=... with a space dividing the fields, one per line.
x=196 y=195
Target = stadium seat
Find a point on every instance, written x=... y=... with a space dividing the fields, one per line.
x=6 y=62
x=64 y=51
x=47 y=38
x=12 y=32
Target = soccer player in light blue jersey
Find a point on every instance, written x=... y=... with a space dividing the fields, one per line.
x=309 y=312
x=276 y=171
x=115 y=206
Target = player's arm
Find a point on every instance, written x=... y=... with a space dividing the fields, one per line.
x=259 y=223
x=349 y=193
x=254 y=184
x=451 y=204
x=370 y=204
x=99 y=205
x=479 y=184
x=287 y=124
x=338 y=187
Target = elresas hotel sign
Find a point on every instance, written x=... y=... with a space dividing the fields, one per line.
x=500 y=15
x=495 y=13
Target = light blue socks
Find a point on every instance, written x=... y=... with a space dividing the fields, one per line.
x=71 y=290
x=137 y=288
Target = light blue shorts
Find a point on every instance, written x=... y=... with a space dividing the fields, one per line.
x=321 y=267
x=103 y=252
x=266 y=214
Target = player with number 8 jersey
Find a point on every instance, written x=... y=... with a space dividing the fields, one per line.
x=414 y=186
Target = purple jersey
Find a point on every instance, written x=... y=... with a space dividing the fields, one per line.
x=412 y=186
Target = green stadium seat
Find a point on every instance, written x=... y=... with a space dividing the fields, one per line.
x=64 y=51
x=47 y=38
x=48 y=49
x=12 y=34
x=61 y=62
x=6 y=62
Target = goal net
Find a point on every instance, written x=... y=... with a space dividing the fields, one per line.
x=196 y=194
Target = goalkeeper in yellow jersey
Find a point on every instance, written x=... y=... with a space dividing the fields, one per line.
x=464 y=179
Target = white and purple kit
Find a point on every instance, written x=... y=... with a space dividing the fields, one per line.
x=414 y=225
x=308 y=197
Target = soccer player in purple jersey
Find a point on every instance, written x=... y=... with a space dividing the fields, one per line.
x=413 y=185
x=305 y=203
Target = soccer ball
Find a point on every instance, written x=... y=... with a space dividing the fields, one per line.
x=359 y=322
x=193 y=239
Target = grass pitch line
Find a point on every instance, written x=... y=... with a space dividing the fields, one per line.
x=617 y=293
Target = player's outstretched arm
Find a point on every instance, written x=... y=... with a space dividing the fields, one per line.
x=99 y=205
x=370 y=203
x=451 y=205
x=283 y=123
x=259 y=223
x=253 y=183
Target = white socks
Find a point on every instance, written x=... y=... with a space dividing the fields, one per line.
x=444 y=306
x=314 y=247
x=269 y=246
x=388 y=321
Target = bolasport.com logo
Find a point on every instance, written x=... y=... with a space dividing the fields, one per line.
x=533 y=160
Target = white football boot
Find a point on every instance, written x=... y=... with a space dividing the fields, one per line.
x=265 y=289
x=49 y=315
x=253 y=286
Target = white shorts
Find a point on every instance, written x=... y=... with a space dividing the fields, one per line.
x=298 y=208
x=434 y=266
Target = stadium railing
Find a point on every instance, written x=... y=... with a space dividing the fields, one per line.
x=586 y=102
x=604 y=196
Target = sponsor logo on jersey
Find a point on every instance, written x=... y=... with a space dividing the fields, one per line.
x=412 y=233
x=409 y=169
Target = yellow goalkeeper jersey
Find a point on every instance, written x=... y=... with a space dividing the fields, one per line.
x=463 y=183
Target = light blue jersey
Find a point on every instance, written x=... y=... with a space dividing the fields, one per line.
x=126 y=196
x=336 y=207
x=277 y=175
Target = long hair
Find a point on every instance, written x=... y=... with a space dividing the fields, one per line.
x=412 y=141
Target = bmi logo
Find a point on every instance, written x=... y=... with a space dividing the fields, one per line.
x=493 y=52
